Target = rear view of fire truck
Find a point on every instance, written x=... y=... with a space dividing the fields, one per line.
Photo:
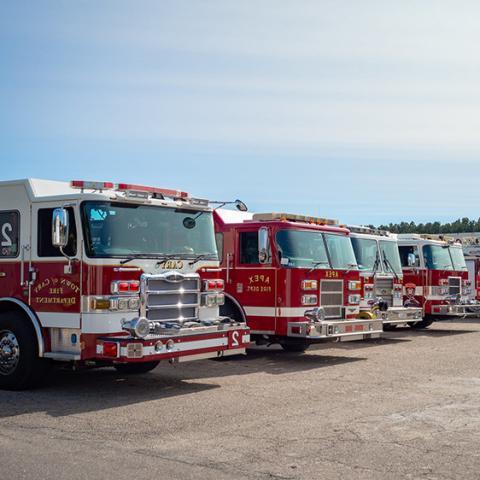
x=381 y=273
x=293 y=278
x=99 y=274
x=436 y=277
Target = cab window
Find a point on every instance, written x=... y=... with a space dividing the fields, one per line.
x=405 y=251
x=219 y=242
x=9 y=234
x=249 y=247
x=44 y=240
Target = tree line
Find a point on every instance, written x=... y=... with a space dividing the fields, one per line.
x=462 y=225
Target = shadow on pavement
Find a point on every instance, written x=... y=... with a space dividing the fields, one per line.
x=432 y=332
x=374 y=342
x=69 y=392
x=270 y=360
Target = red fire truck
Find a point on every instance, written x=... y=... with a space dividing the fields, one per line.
x=435 y=278
x=96 y=273
x=293 y=278
x=376 y=252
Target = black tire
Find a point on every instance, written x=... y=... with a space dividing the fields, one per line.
x=20 y=366
x=388 y=327
x=298 y=347
x=425 y=323
x=136 y=368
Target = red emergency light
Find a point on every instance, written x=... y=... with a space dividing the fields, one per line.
x=214 y=285
x=125 y=286
x=92 y=185
x=110 y=349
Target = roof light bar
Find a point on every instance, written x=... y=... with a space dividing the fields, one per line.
x=128 y=187
x=92 y=185
x=367 y=230
x=289 y=217
x=165 y=192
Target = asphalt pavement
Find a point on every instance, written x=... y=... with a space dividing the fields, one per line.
x=405 y=406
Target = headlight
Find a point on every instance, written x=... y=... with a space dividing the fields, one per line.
x=213 y=299
x=133 y=303
x=354 y=299
x=309 y=299
x=115 y=303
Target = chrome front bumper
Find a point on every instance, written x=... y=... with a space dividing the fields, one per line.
x=457 y=310
x=314 y=332
x=399 y=315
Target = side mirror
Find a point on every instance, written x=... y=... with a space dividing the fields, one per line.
x=263 y=245
x=412 y=260
x=60 y=228
x=240 y=206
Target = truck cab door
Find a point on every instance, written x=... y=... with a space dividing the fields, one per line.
x=55 y=283
x=254 y=280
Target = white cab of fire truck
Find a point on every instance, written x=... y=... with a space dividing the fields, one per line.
x=378 y=259
x=471 y=251
x=435 y=275
x=96 y=273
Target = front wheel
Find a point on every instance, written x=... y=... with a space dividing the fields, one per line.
x=425 y=323
x=136 y=368
x=388 y=327
x=20 y=366
x=298 y=347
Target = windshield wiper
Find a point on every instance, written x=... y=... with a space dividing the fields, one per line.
x=376 y=264
x=316 y=264
x=200 y=256
x=351 y=266
x=386 y=261
x=156 y=256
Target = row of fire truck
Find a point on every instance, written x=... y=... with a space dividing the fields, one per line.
x=275 y=265
x=103 y=274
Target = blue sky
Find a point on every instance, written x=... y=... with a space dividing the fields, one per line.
x=368 y=112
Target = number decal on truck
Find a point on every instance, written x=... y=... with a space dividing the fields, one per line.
x=9 y=234
x=7 y=241
x=235 y=339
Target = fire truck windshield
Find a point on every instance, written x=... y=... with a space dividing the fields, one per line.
x=308 y=249
x=302 y=249
x=366 y=253
x=391 y=257
x=437 y=257
x=128 y=230
x=458 y=258
x=341 y=252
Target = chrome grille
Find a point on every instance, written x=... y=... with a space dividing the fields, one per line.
x=170 y=297
x=331 y=298
x=384 y=289
x=454 y=285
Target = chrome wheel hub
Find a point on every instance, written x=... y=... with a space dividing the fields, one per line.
x=9 y=352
